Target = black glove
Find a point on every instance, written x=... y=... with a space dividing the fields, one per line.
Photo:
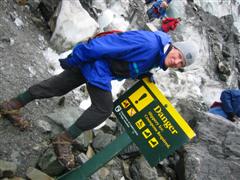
x=64 y=64
x=230 y=116
x=236 y=118
x=149 y=75
x=151 y=78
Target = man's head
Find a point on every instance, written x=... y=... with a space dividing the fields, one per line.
x=164 y=4
x=182 y=54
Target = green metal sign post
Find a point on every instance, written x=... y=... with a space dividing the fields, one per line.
x=150 y=121
x=97 y=161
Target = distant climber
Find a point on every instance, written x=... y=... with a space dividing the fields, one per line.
x=229 y=107
x=158 y=9
x=170 y=24
x=96 y=63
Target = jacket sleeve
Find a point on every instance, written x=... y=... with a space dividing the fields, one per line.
x=226 y=98
x=112 y=46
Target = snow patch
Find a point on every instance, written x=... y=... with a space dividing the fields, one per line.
x=73 y=25
x=18 y=22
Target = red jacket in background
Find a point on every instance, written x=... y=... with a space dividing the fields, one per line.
x=169 y=24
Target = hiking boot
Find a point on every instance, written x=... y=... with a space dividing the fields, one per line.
x=10 y=110
x=18 y=121
x=10 y=107
x=63 y=150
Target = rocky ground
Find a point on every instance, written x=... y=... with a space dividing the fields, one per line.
x=21 y=65
x=24 y=36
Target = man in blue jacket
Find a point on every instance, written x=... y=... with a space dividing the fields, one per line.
x=95 y=63
x=229 y=107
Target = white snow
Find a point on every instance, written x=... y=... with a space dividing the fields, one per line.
x=113 y=16
x=221 y=8
x=73 y=25
x=52 y=58
x=18 y=22
x=85 y=104
x=105 y=18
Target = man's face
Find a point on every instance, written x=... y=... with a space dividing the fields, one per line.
x=174 y=59
x=164 y=4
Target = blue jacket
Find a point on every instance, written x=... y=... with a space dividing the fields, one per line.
x=139 y=50
x=231 y=101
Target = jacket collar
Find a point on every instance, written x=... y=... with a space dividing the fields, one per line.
x=167 y=48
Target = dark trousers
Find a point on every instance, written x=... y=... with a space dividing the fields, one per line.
x=68 y=80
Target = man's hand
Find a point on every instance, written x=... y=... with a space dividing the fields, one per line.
x=64 y=64
x=149 y=75
x=236 y=119
x=151 y=78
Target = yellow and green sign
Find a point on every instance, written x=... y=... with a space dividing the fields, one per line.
x=151 y=121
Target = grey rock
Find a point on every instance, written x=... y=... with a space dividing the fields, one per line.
x=82 y=158
x=47 y=8
x=109 y=127
x=214 y=151
x=112 y=170
x=7 y=169
x=85 y=139
x=33 y=173
x=102 y=140
x=65 y=116
x=130 y=151
x=45 y=125
x=140 y=169
x=226 y=52
x=14 y=178
x=224 y=68
x=48 y=163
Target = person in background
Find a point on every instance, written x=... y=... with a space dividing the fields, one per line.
x=158 y=9
x=229 y=107
x=170 y=24
x=130 y=54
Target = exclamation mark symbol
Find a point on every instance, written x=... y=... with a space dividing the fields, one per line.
x=141 y=98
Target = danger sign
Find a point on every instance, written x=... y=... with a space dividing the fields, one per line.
x=151 y=121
